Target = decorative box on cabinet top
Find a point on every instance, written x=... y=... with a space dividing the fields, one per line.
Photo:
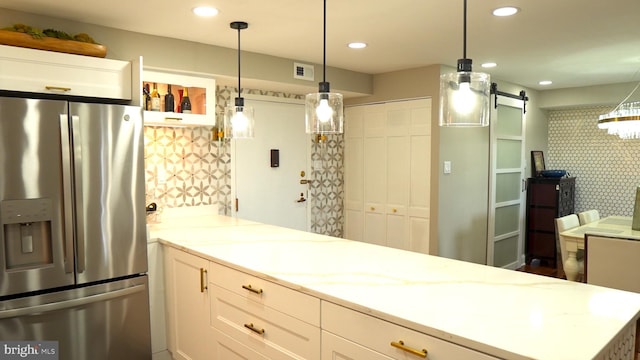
x=201 y=91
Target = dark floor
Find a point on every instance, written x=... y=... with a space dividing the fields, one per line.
x=544 y=267
x=541 y=270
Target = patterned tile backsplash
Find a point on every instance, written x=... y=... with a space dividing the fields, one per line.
x=607 y=168
x=186 y=167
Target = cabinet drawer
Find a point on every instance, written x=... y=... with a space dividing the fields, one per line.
x=226 y=348
x=335 y=347
x=378 y=335
x=37 y=71
x=291 y=302
x=263 y=329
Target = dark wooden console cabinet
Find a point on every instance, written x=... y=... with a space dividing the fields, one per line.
x=547 y=199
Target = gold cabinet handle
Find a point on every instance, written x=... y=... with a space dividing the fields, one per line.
x=255 y=291
x=203 y=281
x=172 y=118
x=372 y=208
x=254 y=329
x=57 y=88
x=400 y=345
x=394 y=210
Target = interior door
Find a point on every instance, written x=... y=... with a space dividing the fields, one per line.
x=505 y=246
x=273 y=194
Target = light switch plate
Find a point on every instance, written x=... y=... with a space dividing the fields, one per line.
x=447 y=167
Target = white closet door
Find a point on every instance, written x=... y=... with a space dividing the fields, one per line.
x=391 y=186
x=354 y=175
x=418 y=205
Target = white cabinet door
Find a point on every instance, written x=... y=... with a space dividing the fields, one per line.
x=187 y=305
x=48 y=72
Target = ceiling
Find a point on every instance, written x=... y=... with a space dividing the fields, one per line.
x=570 y=42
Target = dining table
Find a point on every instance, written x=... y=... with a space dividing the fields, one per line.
x=612 y=226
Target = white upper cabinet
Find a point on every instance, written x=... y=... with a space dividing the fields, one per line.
x=48 y=72
x=202 y=95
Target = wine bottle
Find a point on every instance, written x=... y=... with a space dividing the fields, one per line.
x=147 y=97
x=168 y=100
x=185 y=104
x=155 y=98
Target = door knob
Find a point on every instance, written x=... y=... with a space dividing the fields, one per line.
x=302 y=199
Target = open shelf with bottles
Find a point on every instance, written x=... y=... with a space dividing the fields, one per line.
x=201 y=91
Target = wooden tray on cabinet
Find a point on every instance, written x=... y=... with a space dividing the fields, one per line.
x=52 y=44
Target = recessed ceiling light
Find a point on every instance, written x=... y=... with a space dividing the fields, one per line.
x=357 y=45
x=205 y=11
x=489 y=65
x=545 y=82
x=505 y=11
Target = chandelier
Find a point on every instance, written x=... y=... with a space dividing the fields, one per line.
x=624 y=120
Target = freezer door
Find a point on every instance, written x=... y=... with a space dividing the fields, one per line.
x=108 y=145
x=100 y=322
x=36 y=235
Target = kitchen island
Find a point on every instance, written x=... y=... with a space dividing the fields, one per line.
x=464 y=310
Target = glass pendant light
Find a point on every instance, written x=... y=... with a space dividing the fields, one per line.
x=623 y=120
x=464 y=95
x=238 y=119
x=324 y=109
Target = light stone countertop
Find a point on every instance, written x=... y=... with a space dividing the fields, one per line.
x=504 y=313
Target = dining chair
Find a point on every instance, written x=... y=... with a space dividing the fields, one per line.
x=563 y=224
x=612 y=262
x=588 y=216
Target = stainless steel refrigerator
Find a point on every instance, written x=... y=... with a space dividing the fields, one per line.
x=73 y=256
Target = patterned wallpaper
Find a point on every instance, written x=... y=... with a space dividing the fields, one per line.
x=607 y=168
x=185 y=167
x=326 y=191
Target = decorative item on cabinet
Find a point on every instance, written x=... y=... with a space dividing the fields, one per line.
x=547 y=199
x=201 y=93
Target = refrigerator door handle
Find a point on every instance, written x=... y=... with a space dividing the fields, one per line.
x=61 y=305
x=77 y=163
x=67 y=190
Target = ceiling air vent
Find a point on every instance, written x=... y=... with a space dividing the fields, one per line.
x=303 y=71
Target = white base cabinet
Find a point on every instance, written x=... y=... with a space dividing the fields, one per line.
x=272 y=320
x=216 y=312
x=187 y=301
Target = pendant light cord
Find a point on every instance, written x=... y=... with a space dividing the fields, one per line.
x=240 y=89
x=464 y=31
x=324 y=43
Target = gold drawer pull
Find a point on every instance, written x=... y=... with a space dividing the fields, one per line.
x=57 y=88
x=254 y=329
x=395 y=210
x=203 y=281
x=372 y=208
x=255 y=291
x=400 y=345
x=170 y=118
